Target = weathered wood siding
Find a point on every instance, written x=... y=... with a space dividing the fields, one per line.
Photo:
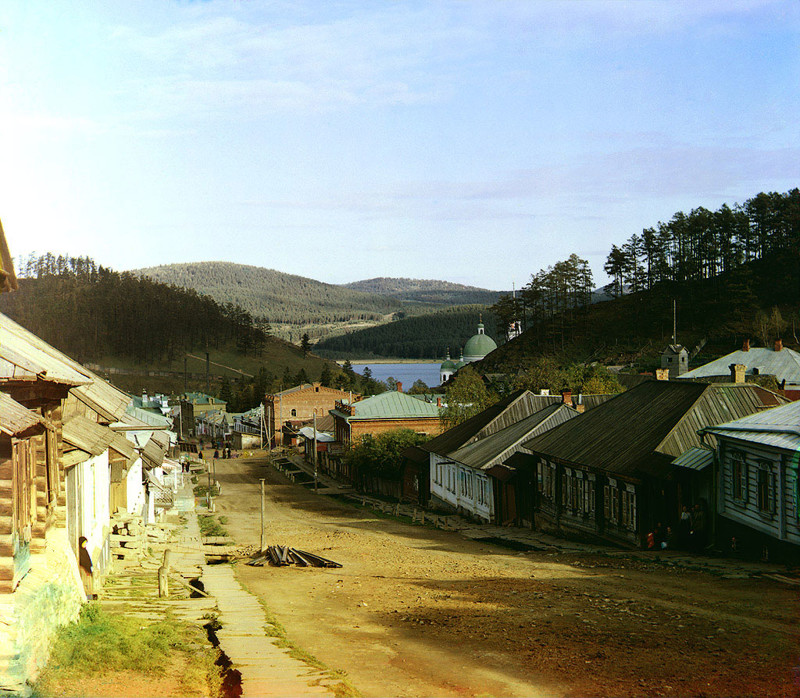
x=779 y=470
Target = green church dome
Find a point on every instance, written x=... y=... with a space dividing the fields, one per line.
x=478 y=346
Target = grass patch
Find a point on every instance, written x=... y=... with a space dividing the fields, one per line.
x=210 y=525
x=202 y=490
x=99 y=644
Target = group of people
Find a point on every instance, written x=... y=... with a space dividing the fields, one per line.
x=691 y=534
x=222 y=450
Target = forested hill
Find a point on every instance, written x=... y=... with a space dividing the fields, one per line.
x=276 y=297
x=124 y=321
x=733 y=273
x=426 y=291
x=420 y=337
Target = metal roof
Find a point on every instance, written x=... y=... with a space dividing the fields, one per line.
x=778 y=427
x=496 y=447
x=643 y=430
x=322 y=436
x=695 y=458
x=511 y=409
x=392 y=405
x=783 y=364
x=16 y=419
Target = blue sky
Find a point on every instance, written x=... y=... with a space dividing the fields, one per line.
x=470 y=141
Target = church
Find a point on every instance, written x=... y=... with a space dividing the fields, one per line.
x=477 y=347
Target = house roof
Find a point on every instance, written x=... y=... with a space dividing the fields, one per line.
x=16 y=419
x=496 y=447
x=322 y=436
x=8 y=280
x=24 y=356
x=202 y=399
x=643 y=430
x=87 y=435
x=778 y=427
x=516 y=406
x=695 y=458
x=391 y=405
x=783 y=364
x=309 y=386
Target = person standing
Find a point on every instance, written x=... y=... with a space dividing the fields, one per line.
x=85 y=566
x=698 y=528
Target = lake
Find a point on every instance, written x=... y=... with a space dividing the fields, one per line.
x=406 y=373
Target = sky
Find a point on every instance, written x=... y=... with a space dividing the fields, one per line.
x=471 y=141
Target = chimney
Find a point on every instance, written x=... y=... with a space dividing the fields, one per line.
x=439 y=401
x=746 y=345
x=662 y=374
x=737 y=372
x=778 y=344
x=544 y=391
x=581 y=408
x=566 y=397
x=399 y=387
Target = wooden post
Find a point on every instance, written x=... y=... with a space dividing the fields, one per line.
x=315 y=449
x=263 y=533
x=163 y=583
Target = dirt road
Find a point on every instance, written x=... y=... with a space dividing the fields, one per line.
x=421 y=612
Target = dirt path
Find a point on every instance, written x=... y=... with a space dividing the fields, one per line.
x=416 y=611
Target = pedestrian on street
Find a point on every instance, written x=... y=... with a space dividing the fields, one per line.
x=85 y=566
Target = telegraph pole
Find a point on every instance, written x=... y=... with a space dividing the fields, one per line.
x=315 y=449
x=263 y=533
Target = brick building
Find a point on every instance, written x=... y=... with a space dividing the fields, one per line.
x=384 y=412
x=297 y=405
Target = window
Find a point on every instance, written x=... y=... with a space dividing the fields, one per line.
x=577 y=492
x=766 y=488
x=546 y=479
x=294 y=413
x=739 y=476
x=629 y=509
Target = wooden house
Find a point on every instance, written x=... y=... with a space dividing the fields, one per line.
x=476 y=480
x=610 y=473
x=436 y=468
x=756 y=464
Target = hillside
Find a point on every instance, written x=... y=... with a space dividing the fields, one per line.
x=277 y=298
x=759 y=300
x=144 y=330
x=420 y=337
x=426 y=291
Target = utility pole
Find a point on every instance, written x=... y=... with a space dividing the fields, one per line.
x=208 y=368
x=263 y=533
x=315 y=449
x=674 y=322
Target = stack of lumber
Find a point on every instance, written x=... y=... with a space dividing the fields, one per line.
x=282 y=555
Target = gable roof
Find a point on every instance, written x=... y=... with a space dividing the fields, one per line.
x=643 y=430
x=516 y=406
x=389 y=405
x=783 y=364
x=493 y=449
x=308 y=386
x=778 y=427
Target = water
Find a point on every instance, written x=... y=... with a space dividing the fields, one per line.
x=405 y=373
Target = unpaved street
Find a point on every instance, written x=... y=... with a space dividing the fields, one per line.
x=421 y=612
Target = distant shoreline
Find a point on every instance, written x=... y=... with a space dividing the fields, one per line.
x=388 y=361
